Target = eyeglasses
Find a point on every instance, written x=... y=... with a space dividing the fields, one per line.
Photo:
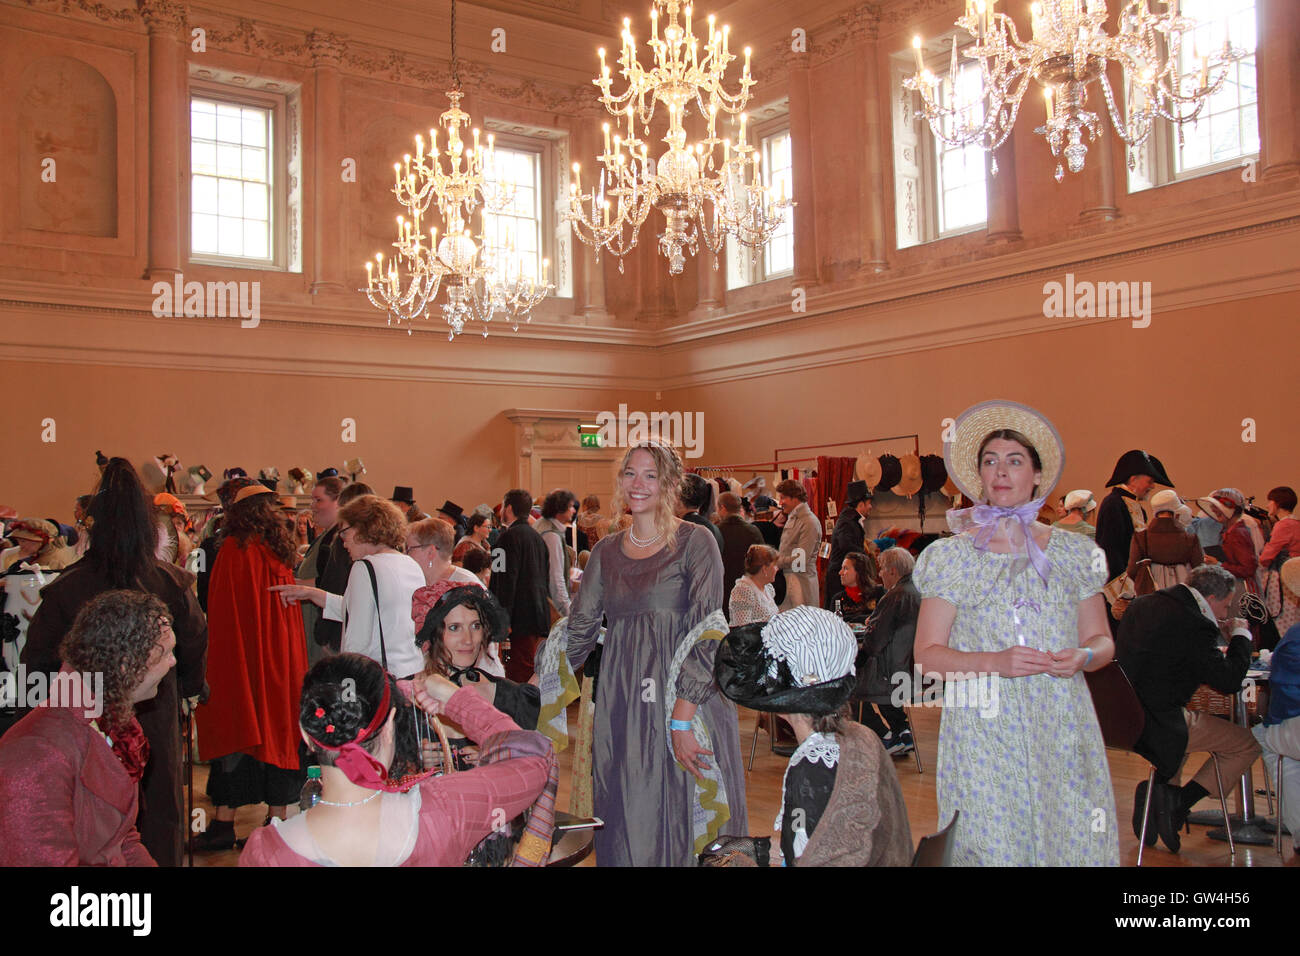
x=344 y=529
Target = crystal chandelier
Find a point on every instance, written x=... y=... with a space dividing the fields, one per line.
x=1067 y=51
x=703 y=196
x=481 y=280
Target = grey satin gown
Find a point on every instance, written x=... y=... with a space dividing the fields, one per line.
x=650 y=604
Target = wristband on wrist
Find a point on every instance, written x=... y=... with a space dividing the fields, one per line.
x=1089 y=660
x=675 y=724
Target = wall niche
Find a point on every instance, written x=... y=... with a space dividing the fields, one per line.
x=67 y=113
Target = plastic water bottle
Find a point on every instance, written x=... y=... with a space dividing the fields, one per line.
x=311 y=790
x=839 y=608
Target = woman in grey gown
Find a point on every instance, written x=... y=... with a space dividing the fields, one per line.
x=668 y=775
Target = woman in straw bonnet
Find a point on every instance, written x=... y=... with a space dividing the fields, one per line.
x=1020 y=752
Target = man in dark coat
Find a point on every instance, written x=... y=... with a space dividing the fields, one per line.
x=161 y=822
x=333 y=568
x=1167 y=647
x=520 y=584
x=887 y=650
x=738 y=536
x=1120 y=513
x=849 y=535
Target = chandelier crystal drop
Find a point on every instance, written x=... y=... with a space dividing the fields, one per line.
x=481 y=280
x=1068 y=50
x=706 y=189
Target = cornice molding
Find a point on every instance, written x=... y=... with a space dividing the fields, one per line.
x=314 y=47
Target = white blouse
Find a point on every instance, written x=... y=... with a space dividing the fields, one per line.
x=398 y=577
x=749 y=605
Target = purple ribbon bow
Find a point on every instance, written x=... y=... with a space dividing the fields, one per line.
x=986 y=517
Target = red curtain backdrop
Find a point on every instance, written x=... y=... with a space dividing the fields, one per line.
x=832 y=484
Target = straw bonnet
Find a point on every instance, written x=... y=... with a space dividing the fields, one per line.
x=974 y=424
x=1291 y=576
x=868 y=469
x=910 y=482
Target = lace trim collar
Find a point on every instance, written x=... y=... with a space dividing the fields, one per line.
x=818 y=748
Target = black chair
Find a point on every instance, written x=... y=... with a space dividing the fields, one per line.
x=1122 y=720
x=936 y=849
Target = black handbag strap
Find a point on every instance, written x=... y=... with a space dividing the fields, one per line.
x=374 y=588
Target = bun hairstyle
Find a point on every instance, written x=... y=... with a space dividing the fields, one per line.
x=494 y=618
x=340 y=695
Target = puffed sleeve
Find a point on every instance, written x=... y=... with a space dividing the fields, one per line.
x=1080 y=566
x=588 y=607
x=939 y=571
x=704 y=571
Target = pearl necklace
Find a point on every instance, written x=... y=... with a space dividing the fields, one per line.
x=643 y=544
x=355 y=803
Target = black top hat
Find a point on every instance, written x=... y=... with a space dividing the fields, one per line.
x=758 y=671
x=1138 y=462
x=891 y=472
x=934 y=473
x=403 y=494
x=451 y=509
x=857 y=491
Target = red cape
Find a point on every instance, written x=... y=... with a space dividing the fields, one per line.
x=257 y=656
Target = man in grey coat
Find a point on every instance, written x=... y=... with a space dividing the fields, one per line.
x=800 y=540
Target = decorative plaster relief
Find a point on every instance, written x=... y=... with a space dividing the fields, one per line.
x=67 y=113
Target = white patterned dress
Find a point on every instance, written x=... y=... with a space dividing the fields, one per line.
x=1024 y=760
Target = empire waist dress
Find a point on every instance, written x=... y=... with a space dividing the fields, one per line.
x=650 y=605
x=1022 y=758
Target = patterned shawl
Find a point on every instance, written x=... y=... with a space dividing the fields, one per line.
x=534 y=847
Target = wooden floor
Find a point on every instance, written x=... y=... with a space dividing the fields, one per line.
x=764 y=788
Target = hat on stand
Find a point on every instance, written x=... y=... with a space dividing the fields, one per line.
x=933 y=474
x=909 y=482
x=890 y=473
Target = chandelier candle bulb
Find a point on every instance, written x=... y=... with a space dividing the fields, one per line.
x=916 y=48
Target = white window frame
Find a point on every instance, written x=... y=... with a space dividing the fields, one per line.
x=746 y=266
x=282 y=257
x=552 y=150
x=1156 y=160
x=917 y=185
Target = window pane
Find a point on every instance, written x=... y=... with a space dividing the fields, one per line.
x=255 y=204
x=204 y=195
x=513 y=234
x=229 y=123
x=254 y=128
x=203 y=120
x=203 y=234
x=230 y=236
x=255 y=239
x=228 y=161
x=1228 y=125
x=230 y=198
x=230 y=188
x=203 y=158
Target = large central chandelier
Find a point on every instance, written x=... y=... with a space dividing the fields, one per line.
x=480 y=279
x=1067 y=51
x=703 y=196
